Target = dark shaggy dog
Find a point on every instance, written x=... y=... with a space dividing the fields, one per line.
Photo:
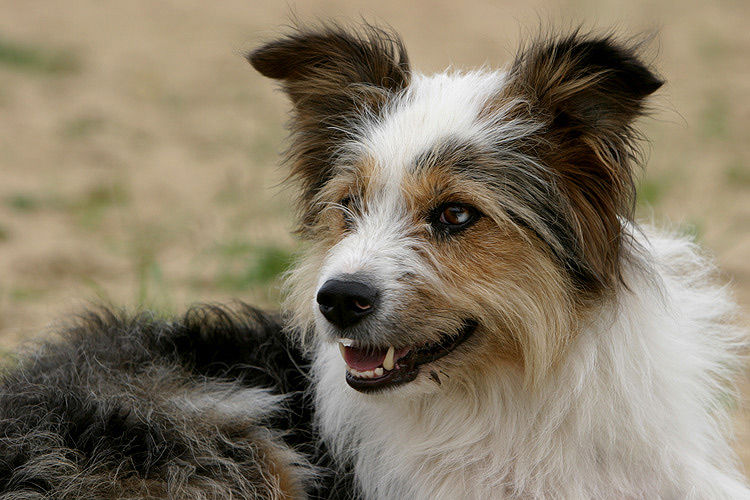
x=139 y=407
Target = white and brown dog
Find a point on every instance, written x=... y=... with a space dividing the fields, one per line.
x=507 y=330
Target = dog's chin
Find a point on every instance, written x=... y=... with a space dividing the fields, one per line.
x=371 y=370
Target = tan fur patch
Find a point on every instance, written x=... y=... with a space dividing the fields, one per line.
x=499 y=274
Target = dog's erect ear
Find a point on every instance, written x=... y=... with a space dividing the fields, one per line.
x=584 y=81
x=333 y=77
x=586 y=92
x=331 y=60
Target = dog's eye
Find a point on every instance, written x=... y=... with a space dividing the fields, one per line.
x=454 y=216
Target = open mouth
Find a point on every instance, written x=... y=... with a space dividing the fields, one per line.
x=373 y=369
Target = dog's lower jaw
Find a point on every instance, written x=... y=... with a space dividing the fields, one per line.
x=625 y=415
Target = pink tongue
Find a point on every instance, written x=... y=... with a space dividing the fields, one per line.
x=364 y=360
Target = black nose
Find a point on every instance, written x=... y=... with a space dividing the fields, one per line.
x=344 y=302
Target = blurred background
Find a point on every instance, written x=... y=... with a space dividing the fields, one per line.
x=139 y=151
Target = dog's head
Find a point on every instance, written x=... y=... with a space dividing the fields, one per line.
x=463 y=221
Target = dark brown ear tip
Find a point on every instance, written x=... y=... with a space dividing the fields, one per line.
x=268 y=60
x=636 y=79
x=652 y=83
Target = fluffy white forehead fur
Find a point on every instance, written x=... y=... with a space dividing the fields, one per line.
x=433 y=108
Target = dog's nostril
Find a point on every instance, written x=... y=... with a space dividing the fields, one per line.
x=361 y=305
x=344 y=302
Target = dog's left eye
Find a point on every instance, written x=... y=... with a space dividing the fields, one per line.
x=454 y=216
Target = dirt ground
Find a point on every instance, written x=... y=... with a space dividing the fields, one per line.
x=138 y=150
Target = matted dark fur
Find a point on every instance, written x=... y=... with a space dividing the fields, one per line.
x=132 y=407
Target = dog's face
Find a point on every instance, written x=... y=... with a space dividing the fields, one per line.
x=460 y=222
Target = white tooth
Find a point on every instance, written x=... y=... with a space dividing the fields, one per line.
x=379 y=371
x=388 y=361
x=343 y=350
x=346 y=342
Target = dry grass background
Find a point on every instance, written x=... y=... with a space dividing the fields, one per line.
x=138 y=150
